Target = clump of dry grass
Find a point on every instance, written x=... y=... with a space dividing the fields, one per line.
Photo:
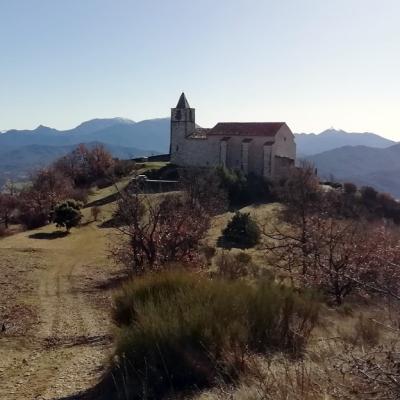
x=180 y=331
x=362 y=332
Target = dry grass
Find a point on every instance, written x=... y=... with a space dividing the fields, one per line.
x=55 y=288
x=76 y=273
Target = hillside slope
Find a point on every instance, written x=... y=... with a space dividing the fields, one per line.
x=362 y=165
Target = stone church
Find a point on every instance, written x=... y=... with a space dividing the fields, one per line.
x=264 y=148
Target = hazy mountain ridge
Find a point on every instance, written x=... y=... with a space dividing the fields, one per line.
x=311 y=143
x=151 y=135
x=17 y=163
x=24 y=150
x=365 y=158
x=362 y=165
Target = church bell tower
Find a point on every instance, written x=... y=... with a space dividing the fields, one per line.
x=182 y=126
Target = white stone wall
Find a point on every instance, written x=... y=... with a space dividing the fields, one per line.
x=196 y=152
x=182 y=126
x=206 y=152
x=285 y=145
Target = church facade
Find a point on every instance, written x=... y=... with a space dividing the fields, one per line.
x=265 y=149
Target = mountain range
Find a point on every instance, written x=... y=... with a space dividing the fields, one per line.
x=150 y=135
x=311 y=143
x=22 y=151
x=364 y=158
x=378 y=167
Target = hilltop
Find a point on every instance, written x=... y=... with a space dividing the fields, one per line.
x=345 y=155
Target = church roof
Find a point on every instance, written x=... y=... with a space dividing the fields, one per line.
x=182 y=102
x=246 y=128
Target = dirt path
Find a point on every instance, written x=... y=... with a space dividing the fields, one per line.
x=55 y=302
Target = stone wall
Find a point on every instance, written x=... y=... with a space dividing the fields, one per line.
x=266 y=156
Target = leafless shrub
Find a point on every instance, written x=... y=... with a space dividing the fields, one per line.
x=158 y=231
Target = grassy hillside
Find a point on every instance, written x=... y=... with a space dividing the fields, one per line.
x=57 y=299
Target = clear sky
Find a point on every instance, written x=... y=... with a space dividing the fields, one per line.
x=312 y=63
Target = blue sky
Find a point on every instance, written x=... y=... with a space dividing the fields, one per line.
x=311 y=63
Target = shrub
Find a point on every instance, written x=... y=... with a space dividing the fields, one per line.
x=32 y=217
x=180 y=331
x=234 y=266
x=123 y=168
x=67 y=214
x=168 y=172
x=155 y=233
x=242 y=189
x=203 y=186
x=209 y=253
x=364 y=332
x=349 y=188
x=80 y=194
x=242 y=231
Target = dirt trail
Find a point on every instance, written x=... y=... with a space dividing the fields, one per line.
x=55 y=301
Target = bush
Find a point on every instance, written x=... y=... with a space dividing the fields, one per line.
x=158 y=232
x=123 y=168
x=364 y=332
x=234 y=266
x=180 y=331
x=32 y=217
x=349 y=188
x=168 y=172
x=242 y=231
x=243 y=190
x=209 y=253
x=67 y=214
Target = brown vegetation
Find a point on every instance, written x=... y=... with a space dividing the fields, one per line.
x=158 y=231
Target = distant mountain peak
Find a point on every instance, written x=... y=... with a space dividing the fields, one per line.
x=42 y=128
x=98 y=124
x=329 y=139
x=332 y=130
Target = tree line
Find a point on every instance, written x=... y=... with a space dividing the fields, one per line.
x=70 y=177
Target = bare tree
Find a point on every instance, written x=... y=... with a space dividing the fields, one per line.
x=158 y=230
x=203 y=187
x=337 y=256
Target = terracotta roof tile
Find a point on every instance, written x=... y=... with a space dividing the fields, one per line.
x=246 y=128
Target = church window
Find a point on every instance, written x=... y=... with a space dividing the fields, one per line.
x=177 y=147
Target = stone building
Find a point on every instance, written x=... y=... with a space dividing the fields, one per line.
x=264 y=148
